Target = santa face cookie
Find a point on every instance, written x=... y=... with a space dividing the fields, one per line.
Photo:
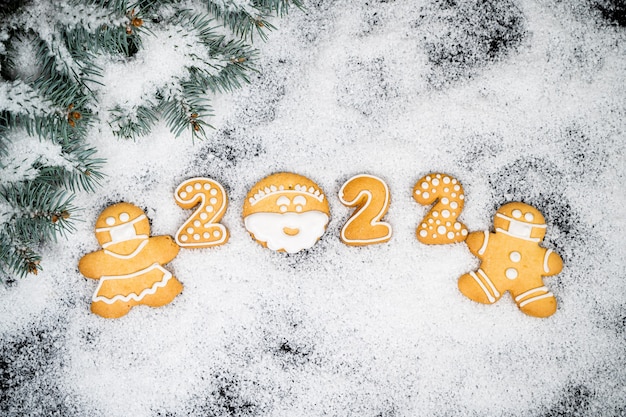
x=129 y=266
x=286 y=212
x=512 y=260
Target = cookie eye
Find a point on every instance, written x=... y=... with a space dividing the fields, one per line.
x=300 y=200
x=110 y=221
x=517 y=213
x=529 y=217
x=124 y=217
x=283 y=202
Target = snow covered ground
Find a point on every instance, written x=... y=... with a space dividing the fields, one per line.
x=522 y=101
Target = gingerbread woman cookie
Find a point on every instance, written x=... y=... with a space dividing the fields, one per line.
x=512 y=260
x=129 y=266
x=286 y=212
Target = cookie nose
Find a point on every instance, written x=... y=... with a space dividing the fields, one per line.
x=290 y=232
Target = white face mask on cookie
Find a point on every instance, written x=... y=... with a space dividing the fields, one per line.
x=122 y=232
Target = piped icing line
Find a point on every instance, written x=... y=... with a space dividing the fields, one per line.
x=130 y=255
x=482 y=249
x=489 y=282
x=530 y=239
x=546 y=268
x=511 y=219
x=480 y=283
x=167 y=275
x=537 y=298
x=527 y=293
x=273 y=190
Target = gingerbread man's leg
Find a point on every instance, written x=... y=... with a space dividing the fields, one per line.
x=477 y=286
x=113 y=310
x=536 y=301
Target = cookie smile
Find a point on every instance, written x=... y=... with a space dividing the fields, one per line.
x=290 y=232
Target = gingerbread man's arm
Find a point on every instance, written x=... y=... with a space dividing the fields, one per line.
x=552 y=263
x=475 y=242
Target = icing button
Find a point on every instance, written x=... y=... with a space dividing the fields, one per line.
x=515 y=256
x=511 y=273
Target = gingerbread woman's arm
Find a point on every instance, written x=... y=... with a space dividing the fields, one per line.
x=163 y=249
x=89 y=265
x=552 y=263
x=477 y=241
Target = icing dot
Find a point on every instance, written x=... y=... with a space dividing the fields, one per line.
x=189 y=188
x=437 y=221
x=206 y=235
x=425 y=185
x=511 y=273
x=457 y=226
x=196 y=237
x=438 y=175
x=216 y=233
x=464 y=232
x=425 y=194
x=298 y=208
x=515 y=256
x=418 y=192
x=454 y=181
x=446 y=180
x=423 y=233
x=435 y=182
x=457 y=187
x=423 y=224
x=529 y=217
x=434 y=236
x=124 y=217
x=430 y=228
x=207 y=186
x=434 y=191
x=209 y=208
x=197 y=223
x=213 y=191
x=197 y=186
x=110 y=221
x=435 y=214
x=450 y=235
x=453 y=195
x=430 y=220
x=446 y=190
x=448 y=224
x=461 y=197
x=445 y=200
x=441 y=230
x=517 y=213
x=283 y=208
x=213 y=200
x=454 y=205
x=428 y=178
x=184 y=238
x=445 y=213
x=203 y=216
x=190 y=230
x=183 y=194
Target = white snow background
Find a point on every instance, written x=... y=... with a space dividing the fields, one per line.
x=524 y=101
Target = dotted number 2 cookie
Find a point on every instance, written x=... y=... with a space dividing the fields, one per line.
x=440 y=226
x=202 y=229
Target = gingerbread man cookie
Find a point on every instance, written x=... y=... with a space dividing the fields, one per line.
x=129 y=266
x=512 y=260
x=286 y=212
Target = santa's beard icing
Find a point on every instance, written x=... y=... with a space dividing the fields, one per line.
x=269 y=228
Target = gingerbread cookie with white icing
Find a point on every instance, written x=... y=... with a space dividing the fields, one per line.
x=286 y=212
x=370 y=196
x=130 y=265
x=512 y=260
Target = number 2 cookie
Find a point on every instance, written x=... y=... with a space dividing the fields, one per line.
x=286 y=212
x=512 y=260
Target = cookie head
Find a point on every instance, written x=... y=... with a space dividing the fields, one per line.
x=122 y=225
x=521 y=221
x=286 y=212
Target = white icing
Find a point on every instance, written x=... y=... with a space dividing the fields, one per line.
x=425 y=194
x=479 y=282
x=529 y=217
x=546 y=268
x=110 y=221
x=124 y=217
x=537 y=298
x=450 y=235
x=489 y=282
x=269 y=228
x=511 y=273
x=167 y=275
x=435 y=182
x=519 y=229
x=283 y=201
x=130 y=255
x=517 y=213
x=299 y=190
x=122 y=232
x=441 y=230
x=445 y=213
x=482 y=249
x=446 y=180
x=515 y=256
x=527 y=293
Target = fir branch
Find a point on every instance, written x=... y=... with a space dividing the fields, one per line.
x=133 y=123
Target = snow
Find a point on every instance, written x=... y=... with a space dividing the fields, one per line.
x=345 y=88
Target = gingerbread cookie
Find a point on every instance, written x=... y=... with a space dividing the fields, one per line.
x=202 y=229
x=286 y=212
x=440 y=225
x=129 y=266
x=512 y=260
x=370 y=195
